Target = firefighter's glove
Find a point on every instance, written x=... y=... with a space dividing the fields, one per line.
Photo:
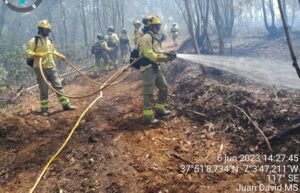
x=39 y=54
x=61 y=56
x=162 y=58
x=171 y=55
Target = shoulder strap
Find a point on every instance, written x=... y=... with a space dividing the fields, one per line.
x=153 y=38
x=36 y=40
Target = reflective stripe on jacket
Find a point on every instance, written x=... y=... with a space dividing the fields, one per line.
x=149 y=49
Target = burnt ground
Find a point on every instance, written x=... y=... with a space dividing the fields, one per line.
x=113 y=152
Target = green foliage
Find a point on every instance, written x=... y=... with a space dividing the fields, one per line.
x=278 y=115
x=3 y=75
x=14 y=68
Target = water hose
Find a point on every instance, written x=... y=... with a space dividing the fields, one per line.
x=75 y=68
x=60 y=93
x=64 y=144
x=109 y=82
x=104 y=85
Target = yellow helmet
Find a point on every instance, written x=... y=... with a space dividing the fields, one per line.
x=151 y=20
x=44 y=24
x=155 y=20
x=136 y=22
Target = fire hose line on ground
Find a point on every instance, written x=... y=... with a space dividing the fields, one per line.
x=79 y=71
x=99 y=83
x=64 y=144
x=106 y=84
x=75 y=68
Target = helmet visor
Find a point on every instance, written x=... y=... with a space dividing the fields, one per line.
x=157 y=27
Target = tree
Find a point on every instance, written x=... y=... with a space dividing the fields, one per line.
x=284 y=5
x=2 y=19
x=191 y=26
x=64 y=24
x=84 y=25
x=286 y=30
x=3 y=75
x=223 y=14
x=271 y=28
x=202 y=9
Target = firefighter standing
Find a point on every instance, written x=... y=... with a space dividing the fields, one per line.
x=113 y=42
x=124 y=46
x=101 y=50
x=137 y=31
x=149 y=47
x=37 y=48
x=174 y=33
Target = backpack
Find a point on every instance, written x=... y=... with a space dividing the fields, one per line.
x=97 y=48
x=134 y=55
x=124 y=40
x=111 y=43
x=173 y=30
x=30 y=61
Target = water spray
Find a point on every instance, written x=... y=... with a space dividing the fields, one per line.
x=263 y=71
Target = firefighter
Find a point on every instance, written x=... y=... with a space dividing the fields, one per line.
x=113 y=42
x=174 y=33
x=149 y=47
x=37 y=48
x=101 y=50
x=124 y=46
x=137 y=31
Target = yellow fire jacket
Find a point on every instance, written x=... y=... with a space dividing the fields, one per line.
x=44 y=45
x=137 y=36
x=112 y=39
x=150 y=50
x=105 y=46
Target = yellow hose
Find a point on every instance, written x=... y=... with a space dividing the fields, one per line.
x=75 y=68
x=84 y=75
x=109 y=82
x=64 y=144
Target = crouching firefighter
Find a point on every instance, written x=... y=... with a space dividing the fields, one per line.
x=149 y=47
x=37 y=48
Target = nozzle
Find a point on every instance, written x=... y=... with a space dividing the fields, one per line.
x=172 y=55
